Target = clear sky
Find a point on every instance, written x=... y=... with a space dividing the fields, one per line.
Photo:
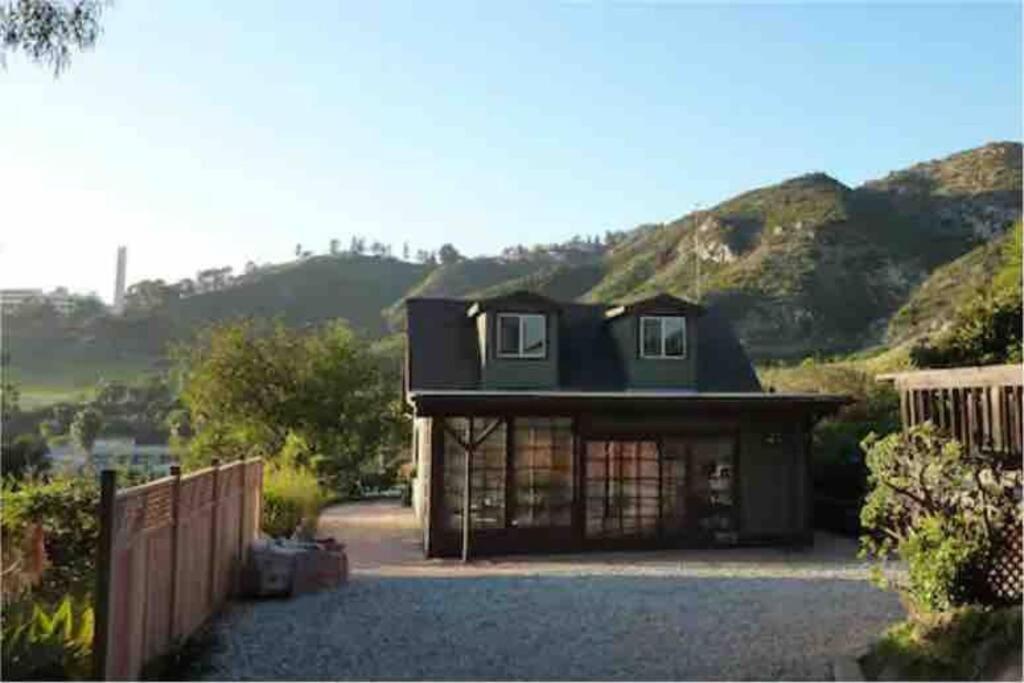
x=204 y=134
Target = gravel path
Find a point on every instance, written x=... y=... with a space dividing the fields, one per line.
x=763 y=614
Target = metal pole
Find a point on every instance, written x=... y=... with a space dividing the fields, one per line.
x=104 y=569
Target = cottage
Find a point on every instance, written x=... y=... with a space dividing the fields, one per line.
x=550 y=426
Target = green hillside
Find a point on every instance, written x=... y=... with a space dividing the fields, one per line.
x=808 y=266
x=50 y=353
x=932 y=305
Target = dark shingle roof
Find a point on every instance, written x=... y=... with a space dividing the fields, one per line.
x=444 y=353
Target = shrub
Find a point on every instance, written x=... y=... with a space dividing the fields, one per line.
x=40 y=643
x=945 y=512
x=969 y=643
x=26 y=455
x=292 y=499
x=65 y=508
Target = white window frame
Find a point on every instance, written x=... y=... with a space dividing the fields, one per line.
x=661 y=328
x=520 y=353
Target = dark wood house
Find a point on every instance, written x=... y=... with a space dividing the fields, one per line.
x=567 y=426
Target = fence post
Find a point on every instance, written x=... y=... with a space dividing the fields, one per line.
x=241 y=528
x=258 y=522
x=175 y=526
x=104 y=573
x=214 y=523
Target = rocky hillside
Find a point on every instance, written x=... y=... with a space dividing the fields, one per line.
x=806 y=266
x=813 y=265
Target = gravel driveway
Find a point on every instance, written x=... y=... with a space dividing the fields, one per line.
x=727 y=614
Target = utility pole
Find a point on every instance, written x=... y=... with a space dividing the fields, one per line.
x=696 y=255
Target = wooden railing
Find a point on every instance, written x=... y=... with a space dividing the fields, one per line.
x=171 y=552
x=979 y=406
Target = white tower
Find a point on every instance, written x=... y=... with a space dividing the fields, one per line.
x=122 y=262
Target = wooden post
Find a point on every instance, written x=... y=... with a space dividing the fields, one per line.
x=904 y=409
x=212 y=592
x=259 y=501
x=240 y=564
x=104 y=573
x=510 y=453
x=175 y=526
x=467 y=494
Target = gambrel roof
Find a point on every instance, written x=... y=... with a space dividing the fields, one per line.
x=444 y=353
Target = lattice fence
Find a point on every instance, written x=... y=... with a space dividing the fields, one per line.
x=1005 y=576
x=171 y=553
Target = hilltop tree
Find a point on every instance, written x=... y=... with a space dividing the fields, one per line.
x=185 y=287
x=448 y=254
x=405 y=251
x=298 y=251
x=148 y=294
x=335 y=246
x=47 y=30
x=358 y=245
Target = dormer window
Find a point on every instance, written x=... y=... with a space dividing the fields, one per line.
x=522 y=335
x=662 y=336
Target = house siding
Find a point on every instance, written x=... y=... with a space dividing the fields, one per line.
x=653 y=373
x=516 y=373
x=773 y=480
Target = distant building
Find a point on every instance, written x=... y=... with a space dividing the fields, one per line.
x=122 y=264
x=13 y=299
x=121 y=453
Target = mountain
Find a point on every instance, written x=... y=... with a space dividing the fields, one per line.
x=805 y=266
x=811 y=265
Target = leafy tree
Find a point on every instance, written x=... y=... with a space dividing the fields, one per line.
x=251 y=390
x=85 y=428
x=185 y=287
x=47 y=30
x=448 y=254
x=149 y=294
x=25 y=454
x=944 y=511
x=335 y=246
x=405 y=251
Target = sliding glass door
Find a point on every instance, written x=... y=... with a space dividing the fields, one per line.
x=678 y=487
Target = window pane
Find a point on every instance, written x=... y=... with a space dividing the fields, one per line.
x=542 y=488
x=533 y=335
x=508 y=335
x=488 y=476
x=675 y=336
x=650 y=329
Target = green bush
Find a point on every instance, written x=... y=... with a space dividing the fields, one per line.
x=65 y=508
x=44 y=643
x=292 y=499
x=969 y=643
x=945 y=512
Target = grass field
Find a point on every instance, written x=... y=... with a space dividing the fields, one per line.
x=72 y=382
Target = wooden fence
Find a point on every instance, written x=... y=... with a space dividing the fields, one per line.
x=979 y=406
x=982 y=408
x=171 y=553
